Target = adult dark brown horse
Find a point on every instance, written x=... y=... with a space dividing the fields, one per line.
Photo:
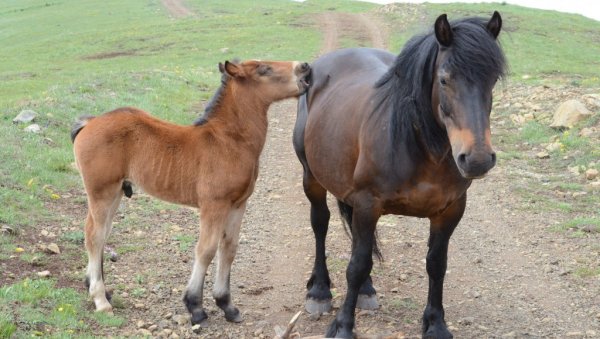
x=397 y=135
x=211 y=165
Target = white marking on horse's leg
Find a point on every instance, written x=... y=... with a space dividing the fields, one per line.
x=97 y=228
x=227 y=250
x=211 y=225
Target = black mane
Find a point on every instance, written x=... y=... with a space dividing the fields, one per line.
x=406 y=88
x=213 y=103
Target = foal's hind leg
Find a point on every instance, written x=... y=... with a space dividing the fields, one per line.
x=213 y=217
x=441 y=228
x=318 y=298
x=367 y=296
x=226 y=253
x=101 y=210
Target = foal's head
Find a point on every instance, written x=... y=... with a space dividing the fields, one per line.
x=468 y=64
x=273 y=80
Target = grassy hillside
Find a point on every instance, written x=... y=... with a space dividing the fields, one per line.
x=68 y=58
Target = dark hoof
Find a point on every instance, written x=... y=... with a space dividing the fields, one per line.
x=233 y=316
x=336 y=331
x=199 y=318
x=314 y=306
x=367 y=302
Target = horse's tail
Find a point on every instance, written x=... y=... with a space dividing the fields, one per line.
x=346 y=213
x=79 y=125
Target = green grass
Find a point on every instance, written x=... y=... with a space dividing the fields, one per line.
x=185 y=241
x=43 y=309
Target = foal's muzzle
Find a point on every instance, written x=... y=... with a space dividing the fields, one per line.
x=303 y=72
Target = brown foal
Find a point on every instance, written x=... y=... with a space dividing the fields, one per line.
x=212 y=165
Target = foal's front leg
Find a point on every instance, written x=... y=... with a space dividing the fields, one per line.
x=441 y=228
x=226 y=255
x=213 y=218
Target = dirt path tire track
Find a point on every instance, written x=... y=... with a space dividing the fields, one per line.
x=360 y=26
x=177 y=8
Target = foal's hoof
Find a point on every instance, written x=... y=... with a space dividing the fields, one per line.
x=367 y=302
x=314 y=306
x=233 y=316
x=199 y=318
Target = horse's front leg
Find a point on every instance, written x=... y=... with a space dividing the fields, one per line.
x=226 y=253
x=441 y=228
x=364 y=221
x=213 y=217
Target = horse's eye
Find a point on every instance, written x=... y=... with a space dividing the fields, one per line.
x=443 y=82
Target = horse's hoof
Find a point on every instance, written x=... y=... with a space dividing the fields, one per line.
x=367 y=302
x=334 y=331
x=199 y=317
x=234 y=316
x=437 y=333
x=314 y=306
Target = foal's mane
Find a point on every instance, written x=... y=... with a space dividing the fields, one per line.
x=406 y=88
x=214 y=102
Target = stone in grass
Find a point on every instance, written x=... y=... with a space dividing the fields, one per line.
x=569 y=113
x=33 y=128
x=543 y=155
x=53 y=248
x=43 y=274
x=24 y=116
x=591 y=174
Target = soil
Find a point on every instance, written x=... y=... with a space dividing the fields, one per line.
x=508 y=274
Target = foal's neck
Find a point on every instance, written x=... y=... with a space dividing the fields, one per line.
x=242 y=117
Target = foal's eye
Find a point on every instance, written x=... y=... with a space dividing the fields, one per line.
x=263 y=70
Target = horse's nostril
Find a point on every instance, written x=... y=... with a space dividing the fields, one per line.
x=304 y=67
x=493 y=157
x=462 y=159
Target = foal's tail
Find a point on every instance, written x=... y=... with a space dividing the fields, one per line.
x=346 y=213
x=79 y=125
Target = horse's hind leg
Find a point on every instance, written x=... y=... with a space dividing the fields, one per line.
x=441 y=228
x=318 y=298
x=101 y=210
x=226 y=253
x=367 y=296
x=212 y=220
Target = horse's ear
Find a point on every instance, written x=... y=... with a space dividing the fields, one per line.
x=495 y=24
x=443 y=31
x=232 y=69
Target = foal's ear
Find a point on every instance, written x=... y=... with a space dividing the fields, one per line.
x=495 y=24
x=443 y=31
x=231 y=69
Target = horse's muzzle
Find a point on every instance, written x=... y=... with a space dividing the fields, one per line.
x=475 y=164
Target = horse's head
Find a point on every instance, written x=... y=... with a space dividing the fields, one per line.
x=275 y=80
x=468 y=64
